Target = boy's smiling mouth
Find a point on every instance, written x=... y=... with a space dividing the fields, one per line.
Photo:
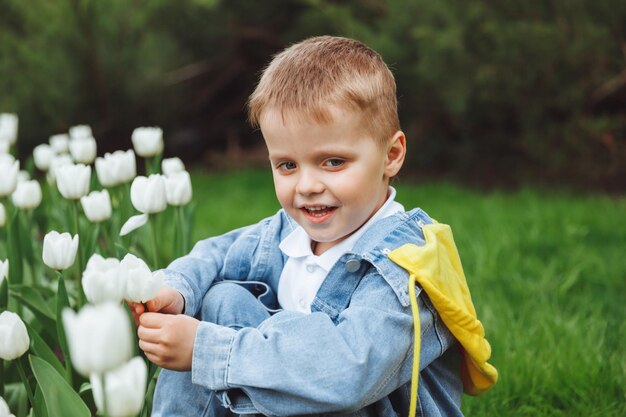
x=318 y=214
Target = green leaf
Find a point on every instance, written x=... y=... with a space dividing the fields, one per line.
x=60 y=398
x=41 y=349
x=33 y=298
x=15 y=257
x=39 y=408
x=63 y=302
x=4 y=294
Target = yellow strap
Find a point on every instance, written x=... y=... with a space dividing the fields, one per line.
x=416 y=346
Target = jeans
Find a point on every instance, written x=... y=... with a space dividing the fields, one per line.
x=227 y=304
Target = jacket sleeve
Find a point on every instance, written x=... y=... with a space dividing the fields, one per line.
x=229 y=256
x=295 y=363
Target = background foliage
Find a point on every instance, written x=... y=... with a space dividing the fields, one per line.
x=490 y=90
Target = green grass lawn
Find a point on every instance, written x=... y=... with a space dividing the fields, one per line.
x=547 y=272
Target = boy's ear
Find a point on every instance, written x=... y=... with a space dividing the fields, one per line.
x=396 y=151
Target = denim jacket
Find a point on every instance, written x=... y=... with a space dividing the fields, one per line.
x=351 y=356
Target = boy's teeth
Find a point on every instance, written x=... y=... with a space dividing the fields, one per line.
x=318 y=210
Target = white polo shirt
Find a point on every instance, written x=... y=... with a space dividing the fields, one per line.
x=304 y=272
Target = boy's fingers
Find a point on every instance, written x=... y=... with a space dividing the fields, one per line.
x=151 y=320
x=153 y=305
x=139 y=308
x=148 y=334
x=149 y=348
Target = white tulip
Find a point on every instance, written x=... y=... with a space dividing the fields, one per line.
x=8 y=127
x=9 y=170
x=4 y=270
x=73 y=180
x=97 y=206
x=5 y=145
x=4 y=409
x=22 y=176
x=178 y=189
x=14 y=340
x=141 y=284
x=43 y=154
x=116 y=168
x=83 y=150
x=3 y=215
x=99 y=337
x=133 y=223
x=56 y=162
x=171 y=166
x=103 y=280
x=148 y=194
x=80 y=132
x=148 y=141
x=27 y=195
x=60 y=143
x=125 y=389
x=59 y=250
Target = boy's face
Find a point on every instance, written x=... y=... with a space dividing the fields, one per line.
x=331 y=178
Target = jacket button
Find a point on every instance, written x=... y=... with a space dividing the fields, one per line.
x=353 y=265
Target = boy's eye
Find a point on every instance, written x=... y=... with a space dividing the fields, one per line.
x=288 y=165
x=334 y=162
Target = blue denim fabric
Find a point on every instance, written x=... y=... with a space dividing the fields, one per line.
x=352 y=356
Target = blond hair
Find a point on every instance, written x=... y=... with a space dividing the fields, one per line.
x=308 y=77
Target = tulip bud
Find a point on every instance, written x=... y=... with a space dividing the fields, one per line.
x=14 y=340
x=80 y=132
x=5 y=145
x=60 y=143
x=4 y=270
x=27 y=195
x=8 y=127
x=148 y=194
x=3 y=215
x=178 y=189
x=42 y=154
x=141 y=284
x=148 y=141
x=99 y=337
x=171 y=166
x=103 y=280
x=97 y=206
x=56 y=162
x=22 y=176
x=83 y=150
x=73 y=180
x=125 y=389
x=8 y=180
x=4 y=409
x=59 y=250
x=116 y=168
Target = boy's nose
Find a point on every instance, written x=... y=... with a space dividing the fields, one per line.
x=308 y=183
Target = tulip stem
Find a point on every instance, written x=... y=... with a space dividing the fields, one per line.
x=155 y=256
x=81 y=294
x=105 y=408
x=29 y=392
x=2 y=378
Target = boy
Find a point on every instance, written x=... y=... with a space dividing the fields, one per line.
x=304 y=313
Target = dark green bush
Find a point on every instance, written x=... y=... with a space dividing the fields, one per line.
x=489 y=90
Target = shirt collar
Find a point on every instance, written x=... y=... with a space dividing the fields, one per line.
x=298 y=244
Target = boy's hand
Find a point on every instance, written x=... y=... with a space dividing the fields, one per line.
x=168 y=301
x=167 y=340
